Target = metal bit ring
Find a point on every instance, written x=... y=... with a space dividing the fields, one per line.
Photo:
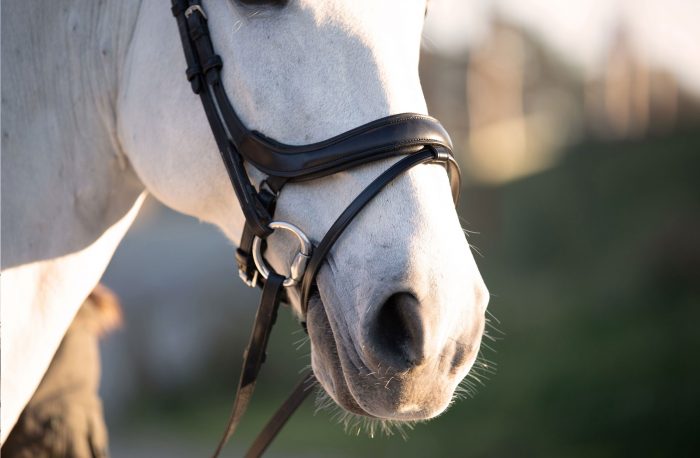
x=298 y=265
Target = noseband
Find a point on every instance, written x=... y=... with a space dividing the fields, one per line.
x=419 y=138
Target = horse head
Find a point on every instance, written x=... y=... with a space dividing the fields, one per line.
x=397 y=314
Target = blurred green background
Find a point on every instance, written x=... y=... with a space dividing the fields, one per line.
x=582 y=189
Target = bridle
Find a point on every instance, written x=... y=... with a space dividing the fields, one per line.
x=419 y=138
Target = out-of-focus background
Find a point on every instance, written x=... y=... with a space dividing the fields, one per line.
x=577 y=125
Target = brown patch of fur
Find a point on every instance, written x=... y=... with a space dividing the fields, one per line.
x=101 y=311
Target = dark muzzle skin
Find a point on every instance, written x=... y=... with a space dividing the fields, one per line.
x=395 y=335
x=390 y=373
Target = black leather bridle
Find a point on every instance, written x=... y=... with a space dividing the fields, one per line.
x=419 y=138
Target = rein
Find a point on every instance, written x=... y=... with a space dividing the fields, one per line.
x=421 y=139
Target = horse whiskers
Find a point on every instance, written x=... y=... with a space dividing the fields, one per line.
x=357 y=424
x=464 y=222
x=475 y=377
x=482 y=368
x=484 y=371
x=484 y=344
x=480 y=358
x=463 y=392
x=301 y=342
x=467 y=233
x=323 y=402
x=491 y=325
x=492 y=338
x=466 y=388
x=492 y=316
x=476 y=250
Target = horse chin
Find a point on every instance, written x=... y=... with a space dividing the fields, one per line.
x=342 y=377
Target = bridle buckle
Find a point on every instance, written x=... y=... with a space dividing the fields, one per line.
x=252 y=282
x=192 y=8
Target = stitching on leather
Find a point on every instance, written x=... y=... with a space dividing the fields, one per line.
x=397 y=119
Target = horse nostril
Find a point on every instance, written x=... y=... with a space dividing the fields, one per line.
x=396 y=335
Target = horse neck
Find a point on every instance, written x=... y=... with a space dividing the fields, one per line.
x=65 y=179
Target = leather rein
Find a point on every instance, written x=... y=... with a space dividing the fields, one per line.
x=419 y=138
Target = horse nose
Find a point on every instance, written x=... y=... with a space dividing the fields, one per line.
x=395 y=335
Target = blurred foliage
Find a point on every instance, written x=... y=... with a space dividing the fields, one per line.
x=594 y=268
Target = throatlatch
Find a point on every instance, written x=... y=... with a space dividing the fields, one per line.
x=420 y=138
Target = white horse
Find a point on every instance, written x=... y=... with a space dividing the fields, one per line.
x=96 y=113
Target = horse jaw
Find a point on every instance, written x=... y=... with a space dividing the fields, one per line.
x=303 y=74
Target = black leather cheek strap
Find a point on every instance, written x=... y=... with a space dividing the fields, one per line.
x=345 y=218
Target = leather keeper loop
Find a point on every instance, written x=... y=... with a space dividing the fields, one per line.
x=214 y=61
x=192 y=71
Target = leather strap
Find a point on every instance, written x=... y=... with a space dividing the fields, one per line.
x=204 y=74
x=278 y=420
x=345 y=218
x=393 y=135
x=254 y=355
